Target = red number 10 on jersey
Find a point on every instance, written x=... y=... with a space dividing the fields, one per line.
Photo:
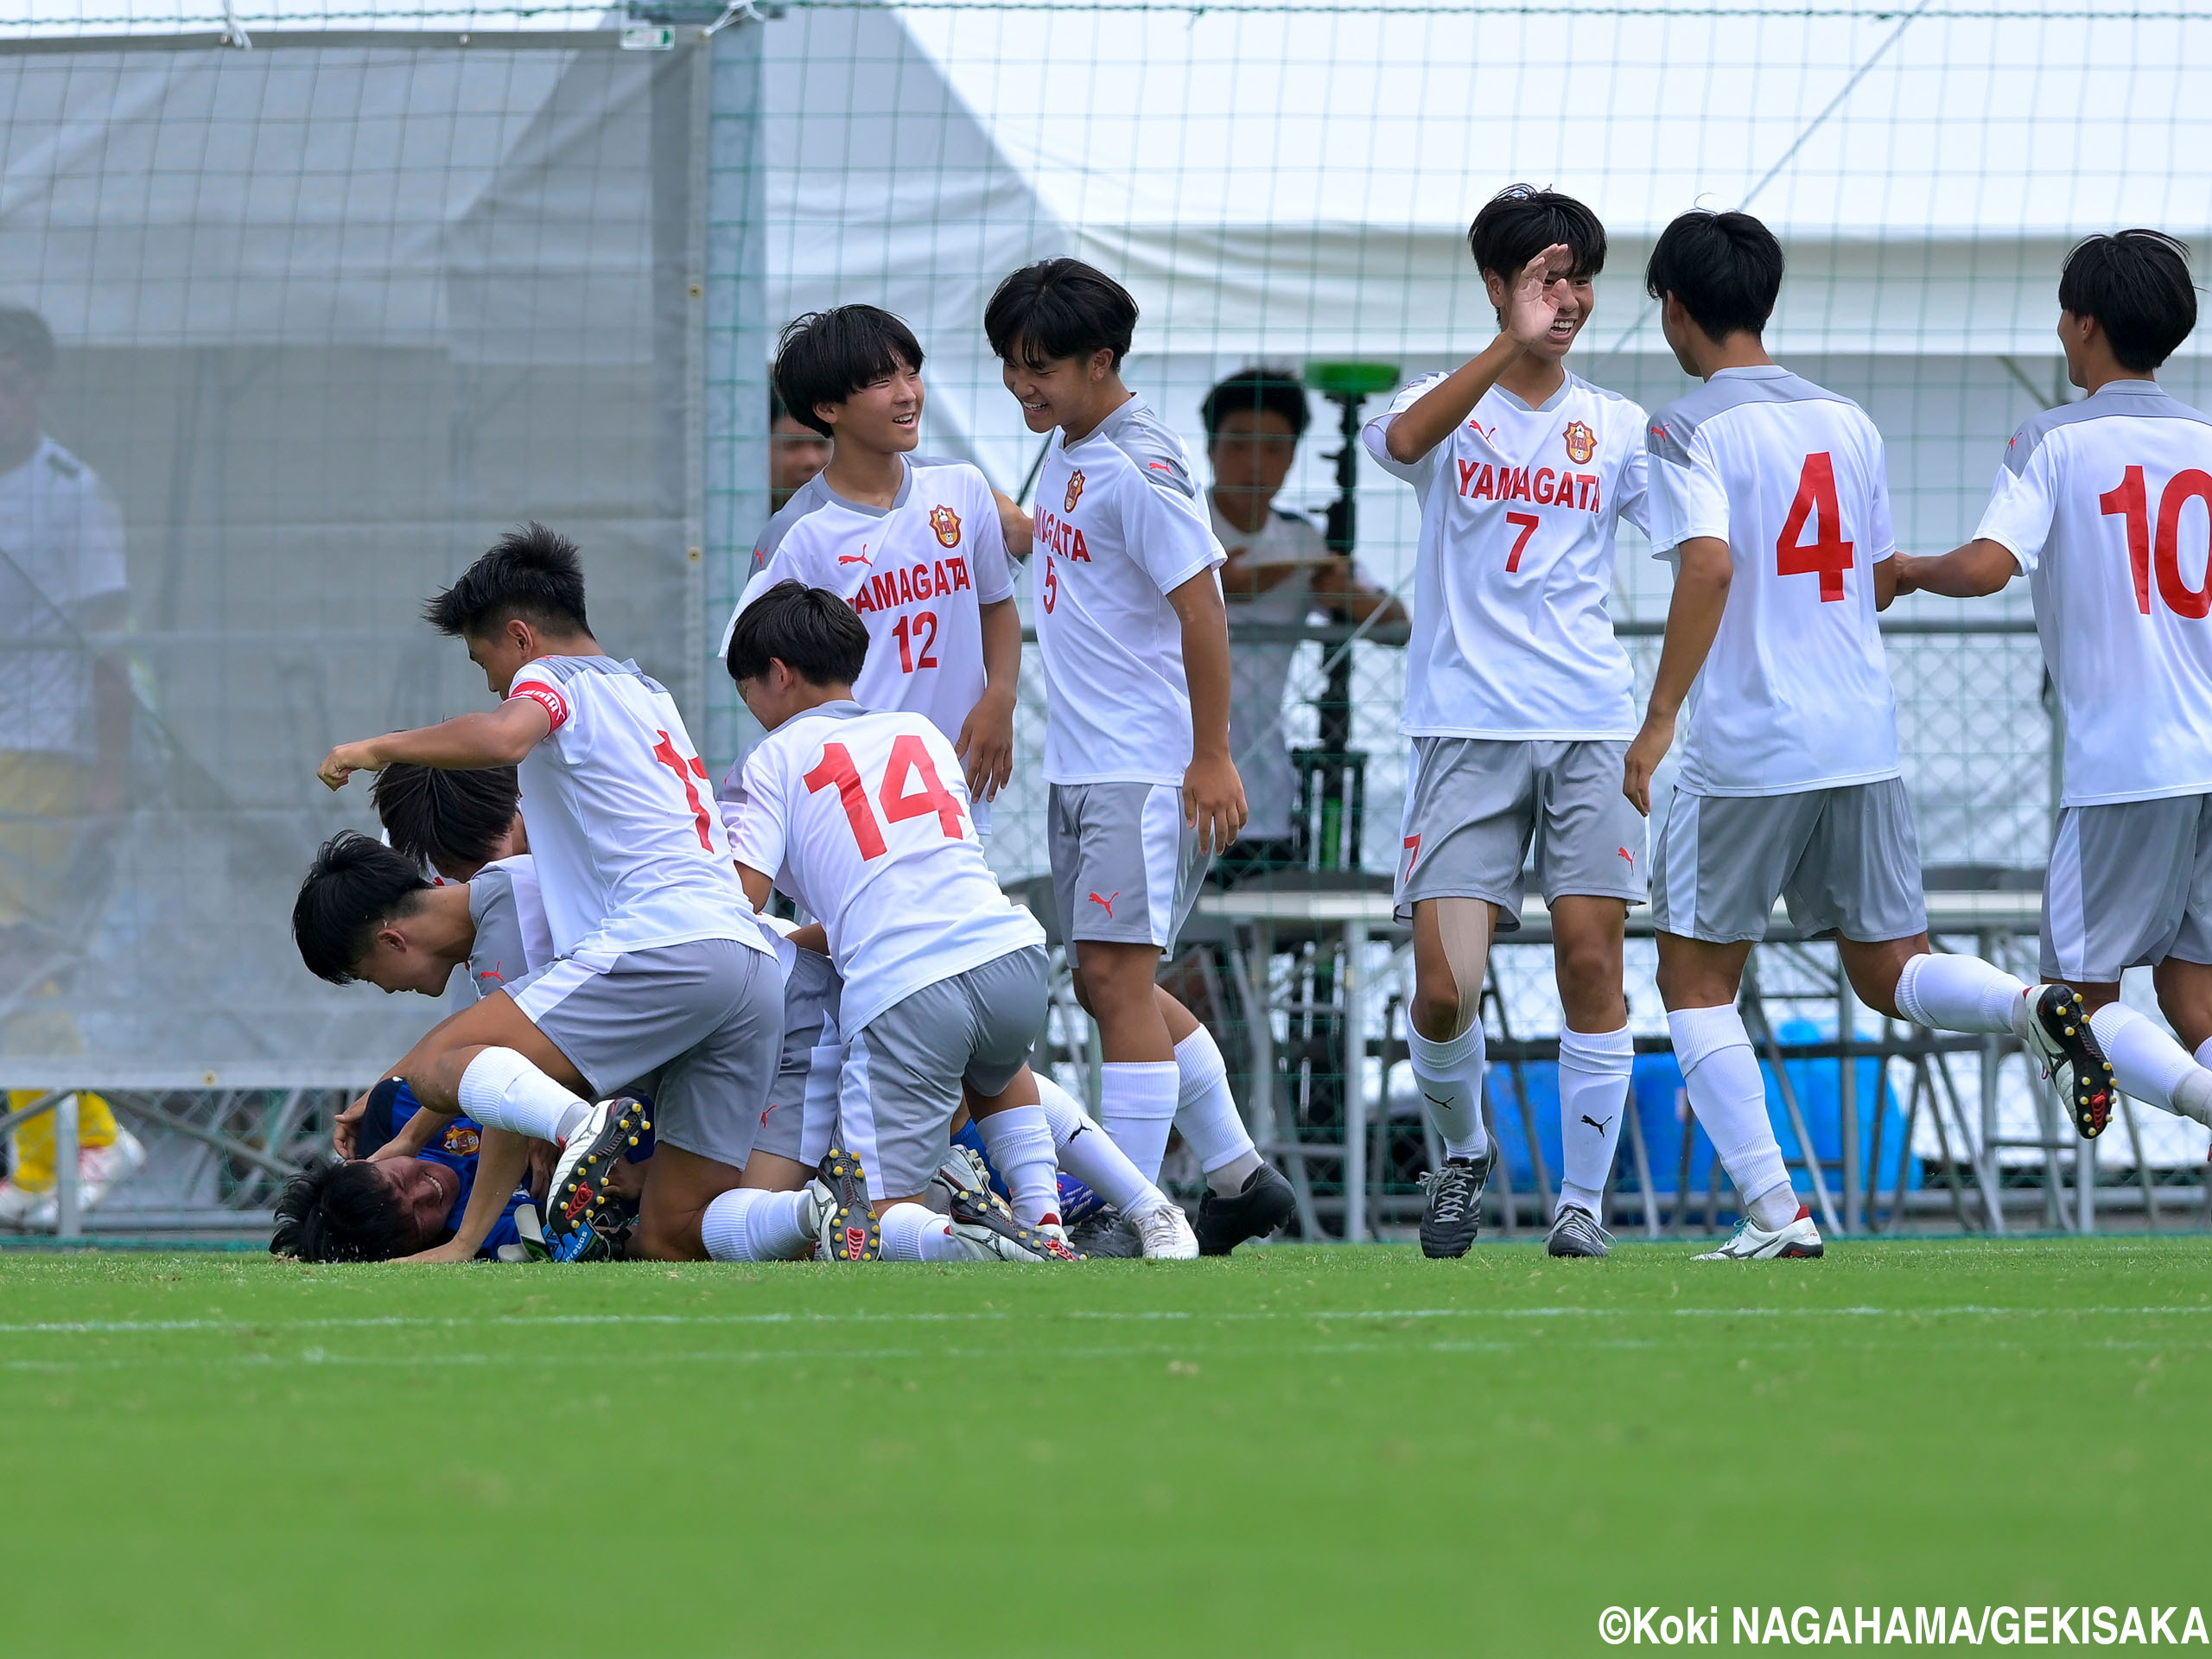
x=909 y=758
x=2131 y=499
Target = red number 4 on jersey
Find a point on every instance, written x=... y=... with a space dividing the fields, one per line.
x=1828 y=555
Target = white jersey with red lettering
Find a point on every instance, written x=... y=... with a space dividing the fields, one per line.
x=1795 y=693
x=917 y=573
x=629 y=851
x=2108 y=505
x=862 y=819
x=1120 y=527
x=1518 y=511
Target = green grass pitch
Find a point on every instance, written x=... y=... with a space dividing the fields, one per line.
x=1299 y=1451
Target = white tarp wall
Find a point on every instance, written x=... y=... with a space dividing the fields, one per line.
x=330 y=316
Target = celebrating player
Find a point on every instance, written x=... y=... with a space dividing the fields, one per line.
x=849 y=813
x=1135 y=646
x=662 y=967
x=2094 y=503
x=1770 y=496
x=1521 y=712
x=915 y=546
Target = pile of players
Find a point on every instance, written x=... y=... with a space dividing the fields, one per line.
x=800 y=1090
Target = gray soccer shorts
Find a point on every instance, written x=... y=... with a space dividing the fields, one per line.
x=809 y=998
x=1126 y=867
x=904 y=1070
x=697 y=1025
x=1845 y=859
x=2130 y=884
x=1474 y=806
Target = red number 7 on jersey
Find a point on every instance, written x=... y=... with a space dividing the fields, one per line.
x=1828 y=555
x=910 y=757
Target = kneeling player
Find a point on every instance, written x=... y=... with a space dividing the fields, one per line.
x=662 y=968
x=850 y=814
x=1770 y=496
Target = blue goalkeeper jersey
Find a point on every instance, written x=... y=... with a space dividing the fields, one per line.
x=392 y=1104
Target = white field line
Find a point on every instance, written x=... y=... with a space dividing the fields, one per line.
x=528 y=1321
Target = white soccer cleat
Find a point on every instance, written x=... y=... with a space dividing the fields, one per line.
x=27 y=1211
x=1165 y=1232
x=1753 y=1243
x=100 y=1170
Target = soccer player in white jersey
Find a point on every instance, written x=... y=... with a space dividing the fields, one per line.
x=916 y=546
x=662 y=966
x=2105 y=505
x=1521 y=710
x=1769 y=495
x=862 y=818
x=1134 y=640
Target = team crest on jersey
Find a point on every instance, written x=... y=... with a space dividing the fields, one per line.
x=946 y=522
x=460 y=1142
x=1075 y=492
x=1581 y=442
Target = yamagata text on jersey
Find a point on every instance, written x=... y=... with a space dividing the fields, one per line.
x=907 y=584
x=1056 y=535
x=1481 y=481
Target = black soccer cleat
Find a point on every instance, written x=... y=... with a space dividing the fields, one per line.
x=2071 y=1056
x=845 y=1228
x=1105 y=1232
x=1453 y=1214
x=1263 y=1204
x=584 y=1221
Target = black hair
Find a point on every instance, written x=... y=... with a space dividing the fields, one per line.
x=354 y=886
x=25 y=337
x=1270 y=389
x=340 y=1212
x=811 y=629
x=532 y=573
x=1521 y=221
x=446 y=817
x=1059 y=308
x=2135 y=284
x=1725 y=267
x=826 y=357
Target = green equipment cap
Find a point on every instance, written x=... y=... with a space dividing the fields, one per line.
x=1352 y=380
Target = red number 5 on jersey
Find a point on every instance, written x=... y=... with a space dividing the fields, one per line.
x=1828 y=555
x=2131 y=498
x=910 y=757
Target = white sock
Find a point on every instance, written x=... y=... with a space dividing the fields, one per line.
x=913 y=1232
x=1960 y=993
x=1136 y=1098
x=1019 y=1141
x=1206 y=1113
x=1088 y=1153
x=1593 y=1084
x=502 y=1090
x=1450 y=1076
x=1728 y=1094
x=2151 y=1065
x=748 y=1224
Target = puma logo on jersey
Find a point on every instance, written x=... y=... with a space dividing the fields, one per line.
x=1595 y=1124
x=1627 y=854
x=1074 y=491
x=861 y=557
x=1107 y=904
